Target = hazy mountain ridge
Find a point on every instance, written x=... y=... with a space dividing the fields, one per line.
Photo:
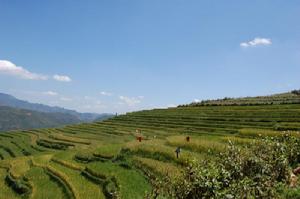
x=10 y=101
x=18 y=114
x=14 y=118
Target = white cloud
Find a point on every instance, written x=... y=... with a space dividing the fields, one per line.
x=88 y=98
x=9 y=68
x=171 y=105
x=197 y=100
x=88 y=106
x=66 y=99
x=51 y=93
x=62 y=78
x=256 y=42
x=98 y=102
x=105 y=93
x=130 y=101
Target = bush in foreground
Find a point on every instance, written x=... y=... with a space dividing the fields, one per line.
x=261 y=170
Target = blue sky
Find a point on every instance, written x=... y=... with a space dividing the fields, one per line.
x=119 y=56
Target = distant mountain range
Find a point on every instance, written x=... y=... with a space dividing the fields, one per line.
x=20 y=114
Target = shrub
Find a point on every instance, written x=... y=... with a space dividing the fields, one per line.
x=253 y=171
x=53 y=145
x=85 y=157
x=18 y=185
x=297 y=92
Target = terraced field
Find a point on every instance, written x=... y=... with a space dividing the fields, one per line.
x=105 y=160
x=282 y=98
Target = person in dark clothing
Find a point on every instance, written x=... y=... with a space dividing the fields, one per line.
x=188 y=138
x=177 y=151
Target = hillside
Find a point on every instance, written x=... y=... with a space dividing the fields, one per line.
x=104 y=159
x=13 y=119
x=292 y=97
x=8 y=100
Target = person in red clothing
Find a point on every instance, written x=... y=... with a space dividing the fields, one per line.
x=138 y=135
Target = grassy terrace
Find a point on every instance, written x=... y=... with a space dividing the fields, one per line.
x=104 y=159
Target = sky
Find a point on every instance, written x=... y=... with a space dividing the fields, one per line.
x=127 y=55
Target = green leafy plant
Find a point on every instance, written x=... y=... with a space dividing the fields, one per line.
x=252 y=171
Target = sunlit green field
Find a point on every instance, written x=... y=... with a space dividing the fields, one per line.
x=105 y=160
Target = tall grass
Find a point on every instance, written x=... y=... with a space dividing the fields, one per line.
x=158 y=168
x=19 y=166
x=5 y=191
x=131 y=183
x=108 y=151
x=80 y=186
x=43 y=185
x=157 y=149
x=209 y=128
x=266 y=133
x=198 y=144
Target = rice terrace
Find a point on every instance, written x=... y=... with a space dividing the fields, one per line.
x=106 y=160
x=149 y=99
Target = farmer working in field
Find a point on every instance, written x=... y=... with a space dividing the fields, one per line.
x=177 y=151
x=139 y=138
x=188 y=138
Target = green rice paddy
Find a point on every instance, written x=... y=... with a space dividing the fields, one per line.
x=105 y=160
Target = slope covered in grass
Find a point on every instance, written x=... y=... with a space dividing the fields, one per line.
x=292 y=97
x=106 y=159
